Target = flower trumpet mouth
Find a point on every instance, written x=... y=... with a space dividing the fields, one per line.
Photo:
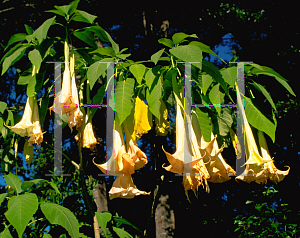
x=30 y=123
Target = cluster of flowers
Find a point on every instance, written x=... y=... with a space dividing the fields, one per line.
x=206 y=163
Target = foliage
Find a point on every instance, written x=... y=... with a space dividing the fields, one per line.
x=266 y=216
x=157 y=81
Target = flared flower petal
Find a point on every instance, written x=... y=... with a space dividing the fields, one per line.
x=30 y=123
x=274 y=174
x=177 y=163
x=124 y=187
x=88 y=139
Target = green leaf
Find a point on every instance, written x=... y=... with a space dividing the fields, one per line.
x=87 y=37
x=121 y=233
x=149 y=77
x=213 y=71
x=205 y=124
x=59 y=215
x=188 y=53
x=270 y=72
x=153 y=97
x=95 y=71
x=5 y=233
x=53 y=185
x=28 y=29
x=178 y=37
x=138 y=71
x=23 y=80
x=122 y=220
x=3 y=106
x=64 y=9
x=104 y=36
x=224 y=122
x=205 y=48
x=35 y=58
x=258 y=120
x=123 y=56
x=103 y=219
x=85 y=56
x=58 y=12
x=2 y=197
x=206 y=82
x=83 y=17
x=35 y=84
x=155 y=57
x=13 y=181
x=47 y=235
x=265 y=93
x=41 y=32
x=15 y=38
x=44 y=108
x=229 y=75
x=104 y=51
x=28 y=184
x=123 y=94
x=1 y=123
x=97 y=99
x=216 y=97
x=13 y=58
x=20 y=211
x=166 y=42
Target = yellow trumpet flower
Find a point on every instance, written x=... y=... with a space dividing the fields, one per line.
x=123 y=163
x=30 y=123
x=254 y=170
x=67 y=99
x=274 y=174
x=88 y=139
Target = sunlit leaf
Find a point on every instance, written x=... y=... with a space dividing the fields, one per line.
x=188 y=53
x=13 y=181
x=138 y=71
x=155 y=57
x=15 y=38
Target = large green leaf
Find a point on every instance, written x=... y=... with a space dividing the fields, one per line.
x=188 y=53
x=270 y=72
x=3 y=105
x=216 y=97
x=149 y=77
x=83 y=17
x=2 y=197
x=153 y=97
x=224 y=122
x=28 y=29
x=13 y=58
x=205 y=123
x=35 y=84
x=87 y=37
x=35 y=58
x=258 y=120
x=95 y=71
x=155 y=57
x=23 y=80
x=104 y=51
x=103 y=219
x=180 y=36
x=205 y=48
x=44 y=108
x=138 y=71
x=229 y=75
x=1 y=124
x=265 y=93
x=64 y=9
x=15 y=38
x=166 y=42
x=121 y=233
x=41 y=32
x=13 y=181
x=5 y=233
x=206 y=80
x=20 y=210
x=213 y=71
x=123 y=94
x=59 y=215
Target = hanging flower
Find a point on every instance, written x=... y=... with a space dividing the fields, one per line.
x=274 y=174
x=218 y=169
x=123 y=163
x=88 y=139
x=254 y=170
x=67 y=99
x=177 y=164
x=30 y=123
